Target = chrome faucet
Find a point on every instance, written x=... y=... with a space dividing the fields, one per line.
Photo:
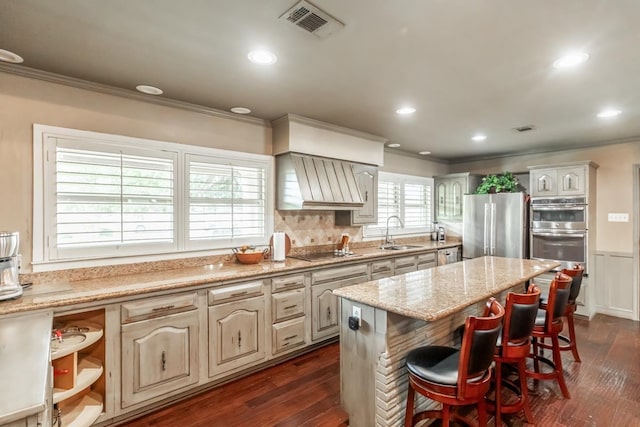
x=387 y=240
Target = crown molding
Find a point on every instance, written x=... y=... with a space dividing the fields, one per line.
x=126 y=93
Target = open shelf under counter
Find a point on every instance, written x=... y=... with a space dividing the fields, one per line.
x=89 y=370
x=84 y=413
x=92 y=333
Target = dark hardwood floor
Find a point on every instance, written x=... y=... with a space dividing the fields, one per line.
x=605 y=389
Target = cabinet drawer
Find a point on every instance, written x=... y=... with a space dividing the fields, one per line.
x=286 y=305
x=229 y=293
x=339 y=273
x=426 y=261
x=287 y=282
x=404 y=262
x=427 y=258
x=155 y=307
x=287 y=335
x=382 y=266
x=381 y=269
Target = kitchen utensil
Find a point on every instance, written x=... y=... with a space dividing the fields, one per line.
x=9 y=244
x=250 y=257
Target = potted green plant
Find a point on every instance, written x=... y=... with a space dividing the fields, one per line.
x=505 y=183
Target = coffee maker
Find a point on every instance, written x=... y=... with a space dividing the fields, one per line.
x=9 y=278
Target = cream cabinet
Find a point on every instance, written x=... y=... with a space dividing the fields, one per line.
x=367 y=177
x=324 y=305
x=159 y=356
x=381 y=269
x=561 y=180
x=449 y=190
x=78 y=359
x=289 y=318
x=428 y=260
x=325 y=311
x=405 y=264
x=236 y=327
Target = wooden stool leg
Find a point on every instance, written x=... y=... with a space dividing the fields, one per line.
x=446 y=415
x=482 y=413
x=498 y=396
x=572 y=337
x=408 y=418
x=524 y=392
x=557 y=360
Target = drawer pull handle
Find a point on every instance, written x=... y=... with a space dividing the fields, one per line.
x=289 y=307
x=328 y=314
x=239 y=339
x=239 y=294
x=163 y=308
x=291 y=337
x=164 y=361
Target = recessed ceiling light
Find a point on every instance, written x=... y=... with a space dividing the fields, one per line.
x=149 y=90
x=240 y=110
x=405 y=110
x=606 y=114
x=262 y=57
x=479 y=137
x=571 y=60
x=394 y=145
x=8 y=56
x=424 y=153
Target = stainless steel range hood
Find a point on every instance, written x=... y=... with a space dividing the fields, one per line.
x=311 y=182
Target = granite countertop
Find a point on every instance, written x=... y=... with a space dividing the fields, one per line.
x=438 y=292
x=63 y=293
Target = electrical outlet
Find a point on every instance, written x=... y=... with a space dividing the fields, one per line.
x=618 y=217
x=357 y=313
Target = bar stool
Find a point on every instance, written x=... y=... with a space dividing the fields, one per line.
x=576 y=273
x=513 y=348
x=549 y=325
x=453 y=376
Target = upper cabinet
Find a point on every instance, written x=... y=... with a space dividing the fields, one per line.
x=567 y=179
x=367 y=178
x=448 y=194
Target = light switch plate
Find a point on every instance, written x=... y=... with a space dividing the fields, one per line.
x=618 y=217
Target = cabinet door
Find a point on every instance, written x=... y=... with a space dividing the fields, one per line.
x=367 y=177
x=159 y=356
x=457 y=189
x=441 y=199
x=236 y=334
x=543 y=182
x=324 y=307
x=571 y=181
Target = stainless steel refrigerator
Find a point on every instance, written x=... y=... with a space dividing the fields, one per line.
x=495 y=224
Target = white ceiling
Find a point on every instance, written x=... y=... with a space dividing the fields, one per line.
x=466 y=66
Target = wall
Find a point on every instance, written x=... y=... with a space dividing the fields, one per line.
x=396 y=162
x=614 y=185
x=25 y=101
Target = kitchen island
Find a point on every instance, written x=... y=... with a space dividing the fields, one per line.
x=403 y=312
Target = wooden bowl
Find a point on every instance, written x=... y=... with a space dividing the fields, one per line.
x=250 y=257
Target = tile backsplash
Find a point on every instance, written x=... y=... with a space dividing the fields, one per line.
x=313 y=228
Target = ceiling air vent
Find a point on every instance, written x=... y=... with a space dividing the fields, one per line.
x=311 y=19
x=526 y=128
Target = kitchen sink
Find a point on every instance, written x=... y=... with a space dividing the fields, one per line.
x=401 y=247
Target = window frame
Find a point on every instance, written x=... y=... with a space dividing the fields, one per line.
x=376 y=231
x=44 y=190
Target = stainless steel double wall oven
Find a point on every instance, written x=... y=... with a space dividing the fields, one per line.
x=559 y=230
